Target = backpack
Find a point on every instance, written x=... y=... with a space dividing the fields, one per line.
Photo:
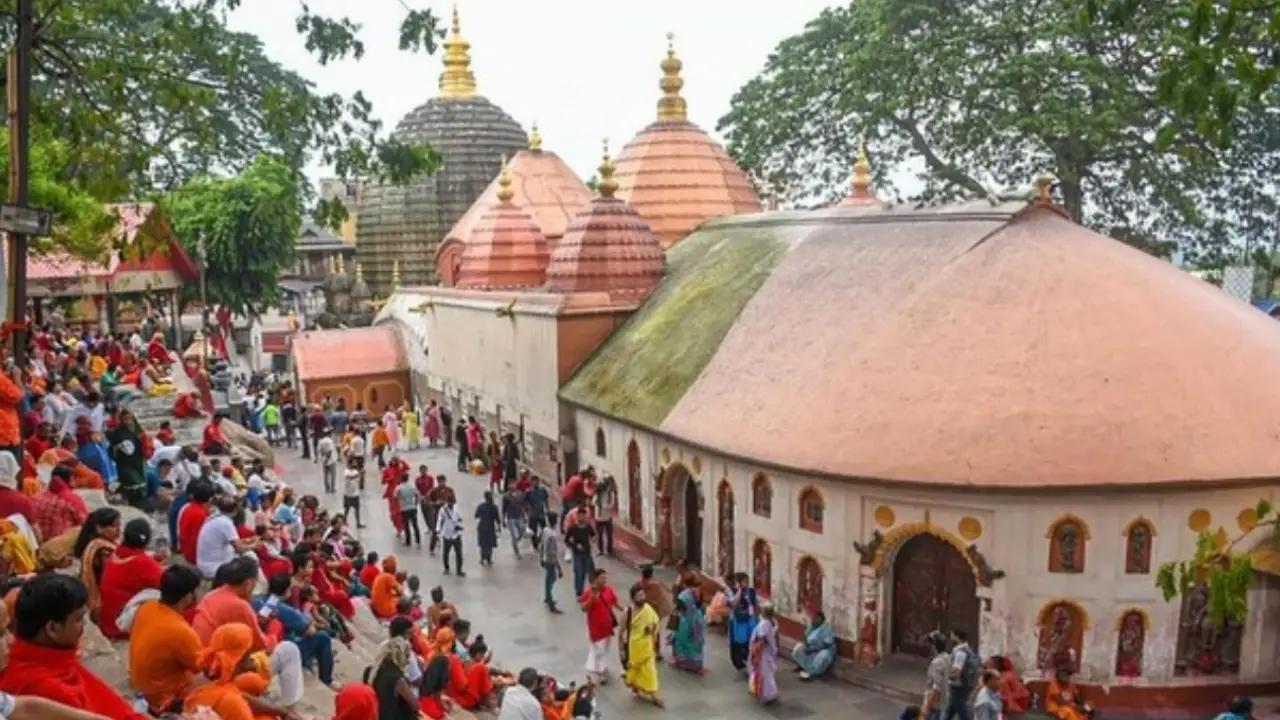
x=971 y=671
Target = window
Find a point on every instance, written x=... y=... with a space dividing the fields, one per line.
x=761 y=496
x=1067 y=539
x=600 y=444
x=1137 y=547
x=811 y=509
x=761 y=568
x=809 y=585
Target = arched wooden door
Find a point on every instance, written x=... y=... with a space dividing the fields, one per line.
x=933 y=589
x=635 y=509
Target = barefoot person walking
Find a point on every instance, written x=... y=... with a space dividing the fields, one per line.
x=639 y=649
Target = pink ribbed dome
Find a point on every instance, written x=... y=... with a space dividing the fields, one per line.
x=504 y=250
x=607 y=248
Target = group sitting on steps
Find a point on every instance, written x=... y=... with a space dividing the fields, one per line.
x=253 y=606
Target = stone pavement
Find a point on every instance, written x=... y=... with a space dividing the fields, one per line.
x=504 y=603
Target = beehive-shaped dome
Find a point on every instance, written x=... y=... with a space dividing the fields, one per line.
x=674 y=174
x=505 y=249
x=607 y=248
x=408 y=222
x=541 y=184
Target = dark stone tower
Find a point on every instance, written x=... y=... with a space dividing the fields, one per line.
x=407 y=223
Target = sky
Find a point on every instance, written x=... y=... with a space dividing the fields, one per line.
x=584 y=70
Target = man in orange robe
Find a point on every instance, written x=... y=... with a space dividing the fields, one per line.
x=1062 y=699
x=164 y=651
x=386 y=590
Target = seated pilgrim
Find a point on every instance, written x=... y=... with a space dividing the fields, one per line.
x=815 y=655
x=1063 y=700
x=215 y=442
x=51 y=611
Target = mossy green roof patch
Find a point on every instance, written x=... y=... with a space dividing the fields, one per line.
x=647 y=365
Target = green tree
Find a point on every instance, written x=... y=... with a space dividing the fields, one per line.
x=148 y=94
x=1220 y=567
x=82 y=224
x=1218 y=56
x=249 y=223
x=982 y=95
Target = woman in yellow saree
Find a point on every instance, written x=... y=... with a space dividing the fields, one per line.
x=640 y=649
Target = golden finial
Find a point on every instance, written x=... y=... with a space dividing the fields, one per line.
x=505 y=193
x=671 y=106
x=1043 y=193
x=535 y=138
x=457 y=80
x=608 y=186
x=395 y=274
x=862 y=170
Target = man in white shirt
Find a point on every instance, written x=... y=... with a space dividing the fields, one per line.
x=327 y=454
x=355 y=451
x=518 y=702
x=351 y=482
x=449 y=528
x=90 y=408
x=219 y=542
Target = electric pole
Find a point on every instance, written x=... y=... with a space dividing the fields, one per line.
x=18 y=82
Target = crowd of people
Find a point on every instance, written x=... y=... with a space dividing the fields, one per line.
x=226 y=581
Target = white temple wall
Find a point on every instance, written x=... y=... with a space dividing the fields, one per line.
x=1012 y=534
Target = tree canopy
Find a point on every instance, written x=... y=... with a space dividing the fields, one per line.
x=1218 y=56
x=149 y=94
x=249 y=224
x=979 y=96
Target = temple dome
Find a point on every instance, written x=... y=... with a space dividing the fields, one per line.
x=974 y=346
x=542 y=185
x=607 y=248
x=504 y=249
x=408 y=222
x=674 y=174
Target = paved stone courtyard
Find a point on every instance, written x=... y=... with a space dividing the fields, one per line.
x=504 y=603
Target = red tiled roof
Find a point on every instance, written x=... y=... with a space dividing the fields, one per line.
x=353 y=352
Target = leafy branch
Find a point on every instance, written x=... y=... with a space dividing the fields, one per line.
x=1218 y=567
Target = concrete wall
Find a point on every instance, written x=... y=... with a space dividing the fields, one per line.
x=1013 y=538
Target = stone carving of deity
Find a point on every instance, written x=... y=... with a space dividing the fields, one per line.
x=810 y=585
x=1132 y=638
x=762 y=568
x=725 y=554
x=1057 y=639
x=1137 y=558
x=1068 y=548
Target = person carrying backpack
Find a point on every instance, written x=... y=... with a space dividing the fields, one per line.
x=966 y=674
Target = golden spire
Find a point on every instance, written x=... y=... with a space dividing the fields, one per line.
x=457 y=80
x=608 y=186
x=862 y=171
x=395 y=274
x=535 y=138
x=671 y=106
x=505 y=193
